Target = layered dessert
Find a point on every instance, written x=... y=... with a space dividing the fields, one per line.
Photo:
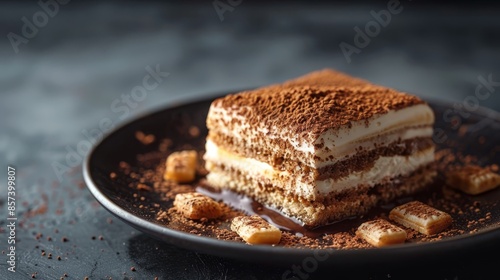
x=322 y=147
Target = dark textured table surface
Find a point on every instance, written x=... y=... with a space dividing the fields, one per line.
x=60 y=78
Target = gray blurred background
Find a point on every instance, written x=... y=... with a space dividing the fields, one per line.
x=69 y=70
x=88 y=54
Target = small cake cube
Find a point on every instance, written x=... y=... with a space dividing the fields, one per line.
x=421 y=217
x=196 y=206
x=380 y=232
x=473 y=179
x=181 y=166
x=255 y=230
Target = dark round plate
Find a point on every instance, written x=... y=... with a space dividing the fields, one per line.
x=474 y=133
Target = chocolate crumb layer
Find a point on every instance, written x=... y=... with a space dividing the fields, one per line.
x=286 y=157
x=313 y=110
x=365 y=160
x=326 y=208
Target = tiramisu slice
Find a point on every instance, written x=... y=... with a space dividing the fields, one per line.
x=318 y=149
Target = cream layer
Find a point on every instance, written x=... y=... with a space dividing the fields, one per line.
x=382 y=169
x=333 y=144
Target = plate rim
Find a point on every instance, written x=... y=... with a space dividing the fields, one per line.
x=283 y=255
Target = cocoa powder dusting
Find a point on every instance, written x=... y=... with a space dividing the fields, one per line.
x=314 y=109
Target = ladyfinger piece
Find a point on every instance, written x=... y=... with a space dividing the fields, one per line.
x=381 y=233
x=181 y=166
x=420 y=217
x=255 y=230
x=195 y=206
x=473 y=179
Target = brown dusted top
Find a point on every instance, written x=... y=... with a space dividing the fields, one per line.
x=328 y=77
x=325 y=77
x=419 y=209
x=313 y=109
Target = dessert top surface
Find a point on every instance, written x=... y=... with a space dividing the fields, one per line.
x=328 y=77
x=311 y=104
